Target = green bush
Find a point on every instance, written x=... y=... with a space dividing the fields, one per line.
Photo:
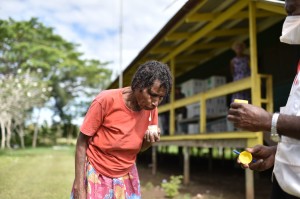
x=171 y=188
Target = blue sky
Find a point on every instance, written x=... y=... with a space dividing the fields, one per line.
x=94 y=24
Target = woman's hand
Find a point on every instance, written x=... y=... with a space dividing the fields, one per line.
x=264 y=156
x=152 y=134
x=79 y=193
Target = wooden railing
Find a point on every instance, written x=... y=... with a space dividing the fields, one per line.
x=223 y=90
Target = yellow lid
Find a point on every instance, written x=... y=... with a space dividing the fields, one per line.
x=245 y=157
x=241 y=101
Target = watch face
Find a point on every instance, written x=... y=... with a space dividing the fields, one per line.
x=275 y=137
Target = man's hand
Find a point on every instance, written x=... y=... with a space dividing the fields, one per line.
x=264 y=156
x=249 y=117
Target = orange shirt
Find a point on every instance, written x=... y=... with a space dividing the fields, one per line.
x=116 y=133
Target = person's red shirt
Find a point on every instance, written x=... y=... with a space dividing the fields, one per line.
x=117 y=133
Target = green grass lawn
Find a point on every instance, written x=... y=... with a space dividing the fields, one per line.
x=42 y=173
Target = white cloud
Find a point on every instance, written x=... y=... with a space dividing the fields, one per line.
x=94 y=24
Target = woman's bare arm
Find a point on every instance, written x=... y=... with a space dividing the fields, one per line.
x=80 y=158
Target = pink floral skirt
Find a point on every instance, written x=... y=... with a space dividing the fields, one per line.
x=102 y=187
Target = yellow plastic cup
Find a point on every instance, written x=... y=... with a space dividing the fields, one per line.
x=241 y=101
x=245 y=157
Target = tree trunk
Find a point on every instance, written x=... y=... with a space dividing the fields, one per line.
x=8 y=130
x=35 y=134
x=21 y=135
x=3 y=134
x=36 y=130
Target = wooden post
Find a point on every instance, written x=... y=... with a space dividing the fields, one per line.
x=154 y=160
x=249 y=184
x=202 y=118
x=172 y=99
x=210 y=159
x=255 y=88
x=186 y=165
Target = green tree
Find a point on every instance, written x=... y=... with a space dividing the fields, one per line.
x=32 y=47
x=18 y=95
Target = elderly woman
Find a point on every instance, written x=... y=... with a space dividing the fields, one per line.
x=115 y=130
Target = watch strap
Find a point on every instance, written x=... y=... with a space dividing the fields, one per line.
x=274 y=133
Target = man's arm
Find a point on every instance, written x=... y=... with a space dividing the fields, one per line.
x=79 y=183
x=253 y=118
x=289 y=125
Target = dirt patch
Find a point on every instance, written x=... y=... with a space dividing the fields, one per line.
x=224 y=180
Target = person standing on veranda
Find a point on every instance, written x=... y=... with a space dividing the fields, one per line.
x=240 y=68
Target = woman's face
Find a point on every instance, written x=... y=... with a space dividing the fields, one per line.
x=239 y=49
x=150 y=98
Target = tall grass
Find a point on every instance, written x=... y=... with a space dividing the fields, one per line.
x=42 y=173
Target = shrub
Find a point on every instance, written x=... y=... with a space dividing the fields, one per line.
x=171 y=188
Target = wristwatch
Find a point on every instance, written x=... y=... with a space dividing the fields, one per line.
x=274 y=135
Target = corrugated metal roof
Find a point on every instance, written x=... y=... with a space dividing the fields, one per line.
x=203 y=29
